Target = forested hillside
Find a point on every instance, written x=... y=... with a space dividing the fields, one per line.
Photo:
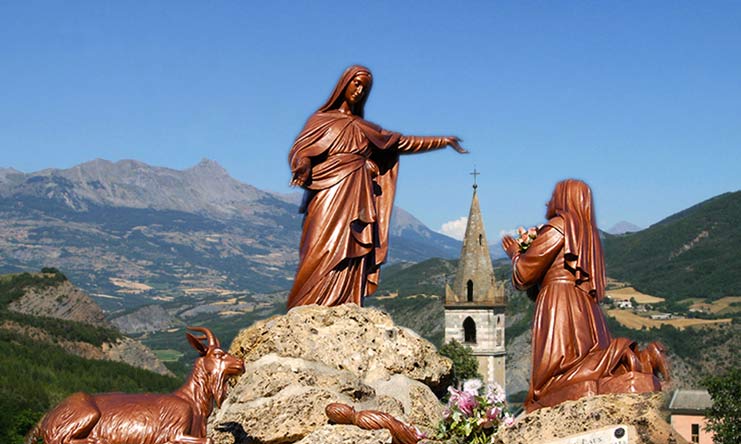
x=37 y=370
x=694 y=253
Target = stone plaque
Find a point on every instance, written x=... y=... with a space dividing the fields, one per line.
x=617 y=434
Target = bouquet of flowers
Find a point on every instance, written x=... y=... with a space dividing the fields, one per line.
x=526 y=237
x=472 y=416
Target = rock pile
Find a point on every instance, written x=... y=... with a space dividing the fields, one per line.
x=642 y=414
x=298 y=363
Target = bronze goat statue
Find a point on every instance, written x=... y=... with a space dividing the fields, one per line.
x=176 y=418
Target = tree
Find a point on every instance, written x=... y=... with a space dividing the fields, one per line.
x=724 y=417
x=465 y=365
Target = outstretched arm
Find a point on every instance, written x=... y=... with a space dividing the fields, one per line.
x=420 y=144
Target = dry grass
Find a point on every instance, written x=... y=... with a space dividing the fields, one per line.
x=630 y=292
x=632 y=320
x=721 y=305
x=128 y=286
x=387 y=296
x=208 y=290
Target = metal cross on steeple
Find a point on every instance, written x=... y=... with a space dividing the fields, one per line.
x=474 y=174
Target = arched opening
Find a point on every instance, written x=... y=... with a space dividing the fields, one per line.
x=469 y=290
x=469 y=331
x=480 y=239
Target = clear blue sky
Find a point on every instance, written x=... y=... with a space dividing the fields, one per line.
x=640 y=99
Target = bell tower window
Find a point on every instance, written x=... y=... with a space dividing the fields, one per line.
x=469 y=331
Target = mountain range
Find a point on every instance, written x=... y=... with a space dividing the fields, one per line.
x=127 y=231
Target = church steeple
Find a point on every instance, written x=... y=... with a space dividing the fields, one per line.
x=475 y=304
x=474 y=280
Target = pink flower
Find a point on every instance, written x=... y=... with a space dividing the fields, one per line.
x=465 y=401
x=532 y=232
x=509 y=420
x=493 y=413
x=521 y=230
x=524 y=239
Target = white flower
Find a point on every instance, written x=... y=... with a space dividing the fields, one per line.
x=495 y=394
x=472 y=386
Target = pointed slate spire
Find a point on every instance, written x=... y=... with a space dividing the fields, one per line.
x=474 y=280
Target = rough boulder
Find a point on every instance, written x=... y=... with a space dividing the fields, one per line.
x=642 y=414
x=298 y=363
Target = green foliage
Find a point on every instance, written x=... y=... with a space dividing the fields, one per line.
x=724 y=417
x=692 y=345
x=427 y=277
x=36 y=376
x=55 y=271
x=671 y=306
x=519 y=313
x=693 y=253
x=63 y=329
x=465 y=365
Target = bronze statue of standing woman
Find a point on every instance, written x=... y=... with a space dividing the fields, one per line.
x=348 y=168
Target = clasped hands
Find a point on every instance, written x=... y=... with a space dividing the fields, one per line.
x=510 y=246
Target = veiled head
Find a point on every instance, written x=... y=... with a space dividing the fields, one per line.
x=572 y=196
x=346 y=86
x=572 y=200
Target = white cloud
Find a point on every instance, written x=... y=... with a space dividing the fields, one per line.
x=455 y=228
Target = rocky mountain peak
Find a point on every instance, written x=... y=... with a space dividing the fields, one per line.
x=10 y=175
x=402 y=220
x=205 y=188
x=208 y=166
x=623 y=227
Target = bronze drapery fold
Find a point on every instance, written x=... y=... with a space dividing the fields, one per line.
x=573 y=353
x=349 y=195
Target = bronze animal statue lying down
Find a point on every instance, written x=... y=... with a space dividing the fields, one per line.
x=176 y=418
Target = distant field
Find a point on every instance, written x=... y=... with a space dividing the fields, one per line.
x=168 y=355
x=630 y=292
x=632 y=320
x=721 y=306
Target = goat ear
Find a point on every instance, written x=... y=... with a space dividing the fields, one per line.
x=198 y=345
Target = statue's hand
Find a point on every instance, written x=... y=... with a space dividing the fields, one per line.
x=455 y=143
x=509 y=245
x=302 y=173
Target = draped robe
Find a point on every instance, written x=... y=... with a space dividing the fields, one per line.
x=347 y=205
x=573 y=353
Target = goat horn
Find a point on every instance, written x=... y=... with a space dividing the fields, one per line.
x=212 y=340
